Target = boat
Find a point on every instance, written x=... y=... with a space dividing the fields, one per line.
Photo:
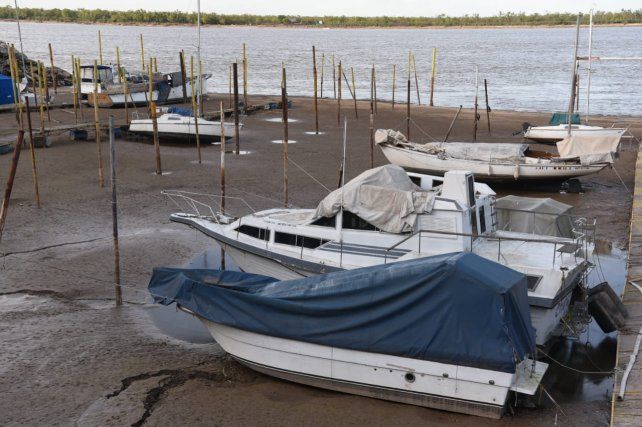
x=181 y=127
x=554 y=133
x=449 y=332
x=384 y=216
x=507 y=162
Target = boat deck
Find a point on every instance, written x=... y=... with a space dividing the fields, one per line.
x=628 y=411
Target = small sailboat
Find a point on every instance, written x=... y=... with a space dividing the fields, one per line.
x=554 y=133
x=451 y=332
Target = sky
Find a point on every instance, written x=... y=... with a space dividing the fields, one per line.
x=346 y=7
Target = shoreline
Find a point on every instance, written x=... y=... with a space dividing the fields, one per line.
x=321 y=27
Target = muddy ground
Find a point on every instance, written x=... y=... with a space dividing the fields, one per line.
x=70 y=357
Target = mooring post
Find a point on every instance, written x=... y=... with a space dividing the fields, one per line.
x=394 y=83
x=432 y=74
x=34 y=170
x=194 y=111
x=114 y=213
x=229 y=88
x=284 y=101
x=374 y=85
x=100 y=47
x=476 y=115
x=322 y=68
x=14 y=84
x=237 y=136
x=45 y=94
x=314 y=75
x=408 y=109
x=101 y=178
x=452 y=124
x=338 y=95
x=414 y=66
x=152 y=115
x=54 y=80
x=487 y=106
x=571 y=102
x=35 y=89
x=142 y=52
x=118 y=67
x=222 y=120
x=244 y=77
x=126 y=101
x=334 y=77
x=74 y=94
x=79 y=91
x=201 y=104
x=12 y=175
x=354 y=94
x=41 y=97
x=371 y=135
x=181 y=57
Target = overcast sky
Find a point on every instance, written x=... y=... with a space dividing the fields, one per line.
x=346 y=7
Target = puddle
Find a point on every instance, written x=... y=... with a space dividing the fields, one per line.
x=594 y=351
x=280 y=120
x=181 y=325
x=280 y=141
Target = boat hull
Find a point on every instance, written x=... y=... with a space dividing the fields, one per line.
x=552 y=134
x=207 y=131
x=500 y=172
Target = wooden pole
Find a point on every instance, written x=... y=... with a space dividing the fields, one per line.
x=114 y=213
x=100 y=47
x=118 y=67
x=229 y=91
x=371 y=134
x=41 y=96
x=334 y=78
x=244 y=77
x=476 y=116
x=432 y=75
x=45 y=94
x=155 y=65
x=322 y=68
x=284 y=100
x=201 y=106
x=236 y=108
x=222 y=120
x=414 y=66
x=54 y=79
x=181 y=58
x=101 y=178
x=126 y=101
x=316 y=106
x=35 y=89
x=152 y=114
x=338 y=95
x=79 y=90
x=452 y=124
x=14 y=82
x=12 y=175
x=408 y=110
x=17 y=84
x=74 y=77
x=394 y=83
x=142 y=53
x=198 y=139
x=354 y=94
x=32 y=150
x=374 y=84
x=571 y=102
x=487 y=106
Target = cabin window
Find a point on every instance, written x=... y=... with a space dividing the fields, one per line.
x=482 y=220
x=256 y=232
x=353 y=222
x=533 y=281
x=300 y=241
x=326 y=222
x=415 y=180
x=470 y=181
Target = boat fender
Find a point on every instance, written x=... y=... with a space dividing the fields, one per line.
x=605 y=287
x=516 y=172
x=605 y=312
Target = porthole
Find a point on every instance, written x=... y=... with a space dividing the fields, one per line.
x=410 y=377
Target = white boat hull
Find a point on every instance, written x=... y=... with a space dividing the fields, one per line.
x=558 y=133
x=180 y=127
x=435 y=385
x=485 y=171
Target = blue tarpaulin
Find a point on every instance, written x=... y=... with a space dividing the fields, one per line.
x=455 y=308
x=6 y=90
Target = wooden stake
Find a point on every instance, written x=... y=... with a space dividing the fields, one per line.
x=114 y=213
x=414 y=66
x=244 y=77
x=45 y=94
x=12 y=175
x=374 y=84
x=354 y=94
x=371 y=134
x=41 y=96
x=181 y=59
x=155 y=65
x=452 y=124
x=35 y=89
x=408 y=110
x=487 y=106
x=100 y=47
x=54 y=79
x=284 y=101
x=34 y=170
x=119 y=68
x=316 y=107
x=432 y=74
x=394 y=83
x=126 y=101
x=142 y=53
x=236 y=108
x=79 y=90
x=200 y=89
x=101 y=178
x=338 y=94
x=334 y=78
x=192 y=80
x=230 y=88
x=322 y=68
x=14 y=84
x=222 y=120
x=152 y=114
x=74 y=77
x=476 y=116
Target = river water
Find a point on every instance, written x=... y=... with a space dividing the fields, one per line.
x=526 y=68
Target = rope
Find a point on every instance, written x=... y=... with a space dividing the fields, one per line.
x=311 y=177
x=579 y=371
x=620 y=178
x=423 y=131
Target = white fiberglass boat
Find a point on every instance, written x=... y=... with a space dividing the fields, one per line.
x=382 y=217
x=559 y=132
x=176 y=126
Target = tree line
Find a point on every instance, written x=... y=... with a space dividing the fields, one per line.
x=624 y=16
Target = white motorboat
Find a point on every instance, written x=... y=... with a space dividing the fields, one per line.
x=488 y=161
x=559 y=132
x=406 y=332
x=381 y=217
x=177 y=126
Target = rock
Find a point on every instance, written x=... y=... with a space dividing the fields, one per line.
x=63 y=78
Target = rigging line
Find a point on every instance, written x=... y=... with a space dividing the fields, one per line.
x=621 y=180
x=575 y=369
x=308 y=174
x=423 y=131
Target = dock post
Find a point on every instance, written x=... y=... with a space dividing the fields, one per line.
x=316 y=106
x=14 y=84
x=142 y=52
x=229 y=88
x=194 y=112
x=54 y=80
x=334 y=78
x=114 y=213
x=181 y=57
x=79 y=90
x=322 y=68
x=476 y=115
x=12 y=175
x=32 y=150
x=41 y=97
x=432 y=75
x=414 y=66
x=126 y=101
x=394 y=83
x=244 y=77
x=152 y=115
x=236 y=108
x=338 y=95
x=201 y=105
x=118 y=67
x=284 y=101
x=354 y=94
x=374 y=85
x=74 y=94
x=100 y=47
x=45 y=95
x=101 y=178
x=487 y=106
x=222 y=120
x=371 y=135
x=408 y=109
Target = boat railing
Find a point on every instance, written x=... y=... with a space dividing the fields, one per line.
x=207 y=206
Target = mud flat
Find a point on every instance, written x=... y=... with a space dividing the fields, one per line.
x=69 y=356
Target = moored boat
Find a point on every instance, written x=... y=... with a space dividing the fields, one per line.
x=559 y=132
x=177 y=126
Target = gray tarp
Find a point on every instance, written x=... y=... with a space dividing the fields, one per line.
x=458 y=150
x=534 y=215
x=385 y=197
x=590 y=149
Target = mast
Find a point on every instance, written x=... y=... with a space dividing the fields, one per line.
x=588 y=76
x=198 y=57
x=571 y=103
